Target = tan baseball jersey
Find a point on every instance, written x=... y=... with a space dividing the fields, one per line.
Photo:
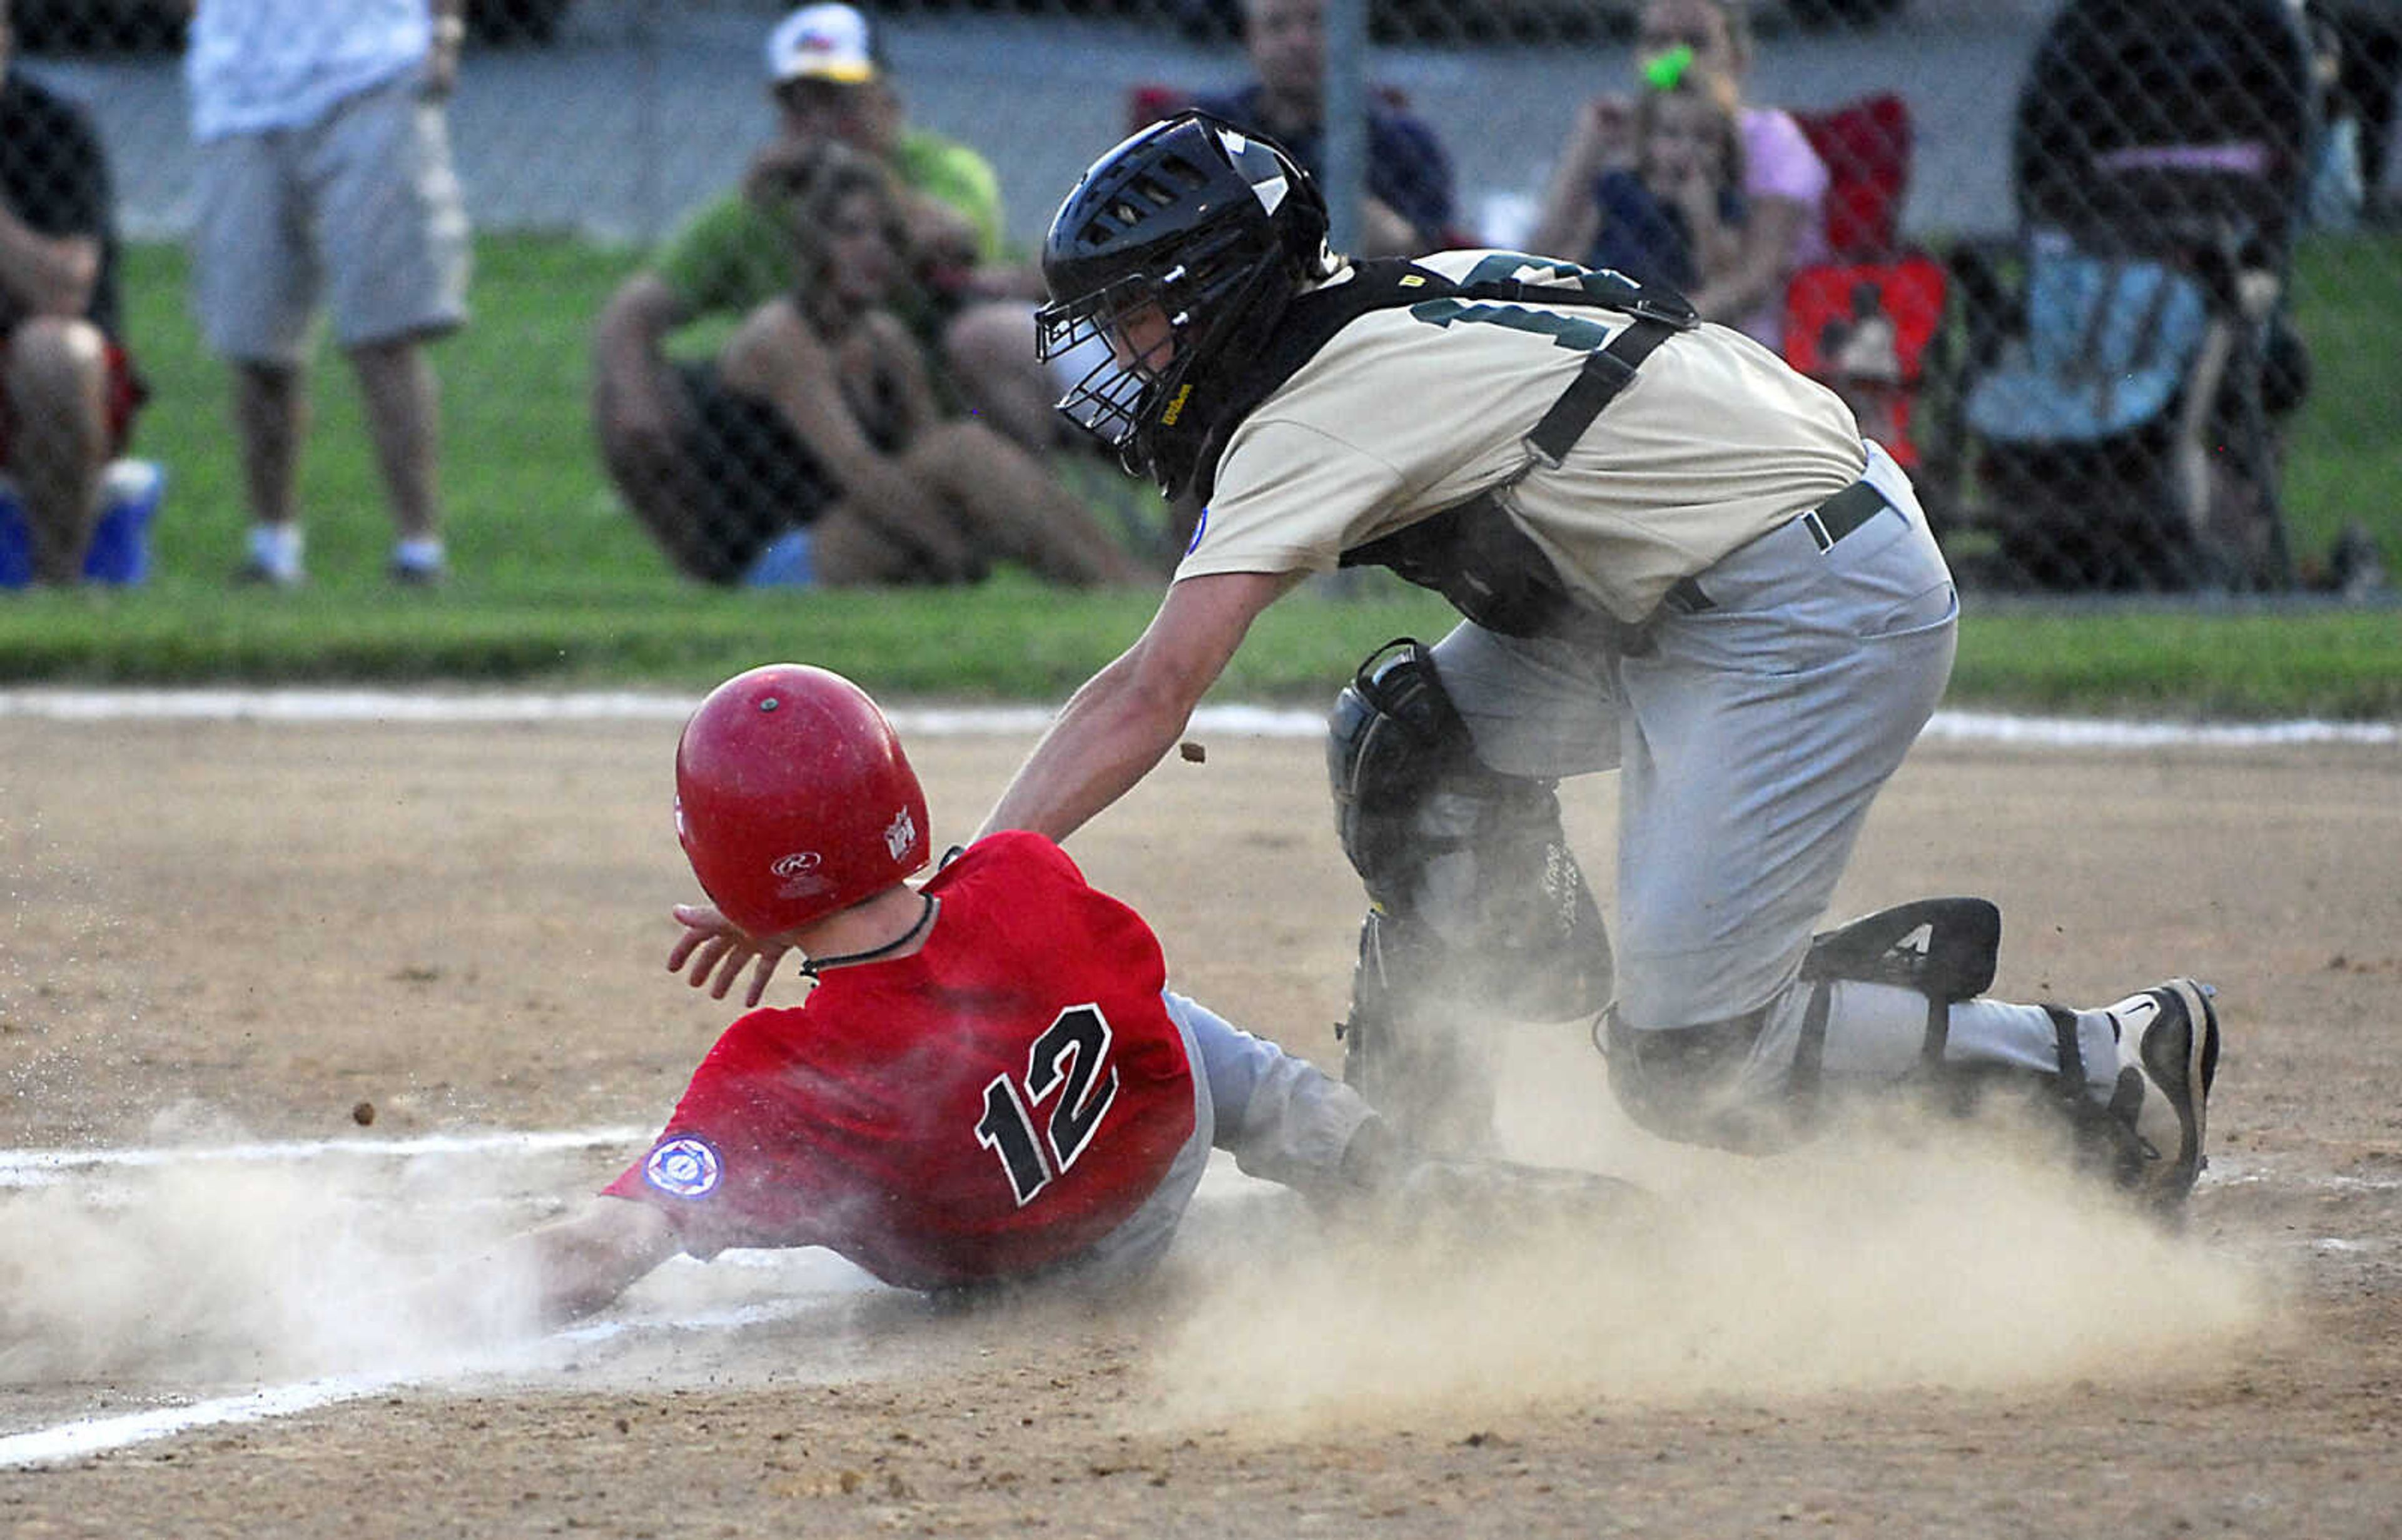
x=1411 y=410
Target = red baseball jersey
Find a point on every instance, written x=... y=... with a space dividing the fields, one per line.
x=981 y=1110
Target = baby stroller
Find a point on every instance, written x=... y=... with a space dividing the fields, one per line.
x=2123 y=409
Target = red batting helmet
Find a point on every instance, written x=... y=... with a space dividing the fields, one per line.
x=794 y=798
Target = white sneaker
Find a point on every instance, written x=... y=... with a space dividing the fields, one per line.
x=255 y=573
x=2168 y=1055
x=273 y=558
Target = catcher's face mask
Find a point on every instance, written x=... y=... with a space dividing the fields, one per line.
x=1127 y=337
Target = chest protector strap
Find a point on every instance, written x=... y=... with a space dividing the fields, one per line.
x=1608 y=370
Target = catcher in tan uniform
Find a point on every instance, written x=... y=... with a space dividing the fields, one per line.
x=1674 y=556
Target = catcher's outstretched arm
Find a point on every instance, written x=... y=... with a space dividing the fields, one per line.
x=1126 y=717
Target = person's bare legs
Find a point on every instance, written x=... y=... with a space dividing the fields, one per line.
x=846 y=551
x=988 y=350
x=56 y=389
x=648 y=464
x=1013 y=508
x=269 y=415
x=404 y=405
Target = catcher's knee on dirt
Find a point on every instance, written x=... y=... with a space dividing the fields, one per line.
x=1470 y=867
x=1714 y=1082
x=1689 y=1083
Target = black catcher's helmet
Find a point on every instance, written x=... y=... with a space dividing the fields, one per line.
x=1218 y=228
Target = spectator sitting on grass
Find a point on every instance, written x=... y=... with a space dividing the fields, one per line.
x=817 y=451
x=828 y=83
x=67 y=393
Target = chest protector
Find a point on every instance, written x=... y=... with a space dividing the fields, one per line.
x=1472 y=553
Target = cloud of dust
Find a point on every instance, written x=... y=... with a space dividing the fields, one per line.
x=220 y=1271
x=1956 y=1255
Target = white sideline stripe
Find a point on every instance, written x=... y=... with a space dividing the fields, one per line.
x=378 y=706
x=2097 y=733
x=39 y=1168
x=95 y=1435
x=98 y=1434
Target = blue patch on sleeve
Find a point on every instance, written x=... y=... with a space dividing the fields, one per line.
x=683 y=1167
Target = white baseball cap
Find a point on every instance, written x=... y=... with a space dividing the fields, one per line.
x=826 y=42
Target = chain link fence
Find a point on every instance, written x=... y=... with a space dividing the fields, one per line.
x=2100 y=271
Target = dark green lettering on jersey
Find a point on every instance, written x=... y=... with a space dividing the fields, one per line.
x=1491 y=295
x=1574 y=333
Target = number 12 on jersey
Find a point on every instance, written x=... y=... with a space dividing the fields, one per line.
x=1071 y=1056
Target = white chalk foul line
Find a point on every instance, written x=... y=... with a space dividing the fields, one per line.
x=40 y=1167
x=87 y=1435
x=405 y=706
x=97 y=1435
x=2080 y=732
x=82 y=1436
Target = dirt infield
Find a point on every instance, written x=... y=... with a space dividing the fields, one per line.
x=245 y=939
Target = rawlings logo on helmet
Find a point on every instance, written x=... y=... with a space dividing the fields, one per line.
x=801 y=874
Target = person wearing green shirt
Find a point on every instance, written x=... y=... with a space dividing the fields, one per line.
x=658 y=417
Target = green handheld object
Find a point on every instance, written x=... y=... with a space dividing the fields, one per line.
x=1663 y=73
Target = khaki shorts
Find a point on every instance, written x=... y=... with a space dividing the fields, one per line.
x=360 y=210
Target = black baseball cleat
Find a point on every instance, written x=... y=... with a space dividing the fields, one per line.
x=2168 y=1056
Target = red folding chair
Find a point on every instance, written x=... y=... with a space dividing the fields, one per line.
x=1864 y=320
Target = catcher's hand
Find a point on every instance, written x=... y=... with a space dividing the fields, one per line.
x=1489 y=1198
x=713 y=944
x=1450 y=1204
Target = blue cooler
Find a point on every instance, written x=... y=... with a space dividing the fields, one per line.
x=130 y=491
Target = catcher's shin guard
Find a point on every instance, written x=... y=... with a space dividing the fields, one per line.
x=1477 y=907
x=1943 y=949
x=1679 y=1081
x=1469 y=865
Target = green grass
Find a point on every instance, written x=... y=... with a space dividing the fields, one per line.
x=2187 y=664
x=2345 y=460
x=556 y=586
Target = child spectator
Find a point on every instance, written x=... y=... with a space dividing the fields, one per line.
x=1784 y=180
x=1676 y=215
